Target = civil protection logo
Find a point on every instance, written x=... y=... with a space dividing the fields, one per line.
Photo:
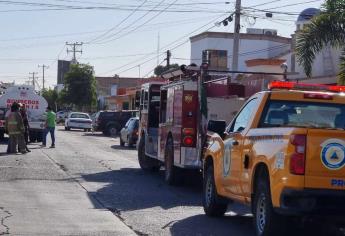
x=333 y=154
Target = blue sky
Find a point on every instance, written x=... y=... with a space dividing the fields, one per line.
x=34 y=32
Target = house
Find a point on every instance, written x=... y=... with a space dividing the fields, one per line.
x=256 y=43
x=262 y=50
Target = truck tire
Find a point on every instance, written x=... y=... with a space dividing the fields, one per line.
x=112 y=130
x=39 y=136
x=212 y=205
x=171 y=173
x=146 y=163
x=32 y=136
x=266 y=220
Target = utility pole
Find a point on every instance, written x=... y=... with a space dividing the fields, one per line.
x=74 y=50
x=33 y=78
x=139 y=71
x=43 y=69
x=237 y=29
x=168 y=58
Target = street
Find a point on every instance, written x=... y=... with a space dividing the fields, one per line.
x=89 y=185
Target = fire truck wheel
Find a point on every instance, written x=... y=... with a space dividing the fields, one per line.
x=266 y=220
x=122 y=143
x=146 y=163
x=171 y=172
x=212 y=205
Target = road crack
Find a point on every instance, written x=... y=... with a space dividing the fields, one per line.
x=4 y=215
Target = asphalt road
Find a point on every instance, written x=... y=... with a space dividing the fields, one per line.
x=89 y=185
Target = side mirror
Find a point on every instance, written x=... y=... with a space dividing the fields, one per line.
x=217 y=126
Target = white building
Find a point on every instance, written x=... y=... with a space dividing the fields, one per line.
x=326 y=64
x=256 y=43
x=263 y=50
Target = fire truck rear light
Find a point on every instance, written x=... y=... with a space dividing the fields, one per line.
x=303 y=86
x=188 y=141
x=318 y=96
x=297 y=160
x=188 y=131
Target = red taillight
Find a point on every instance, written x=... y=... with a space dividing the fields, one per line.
x=188 y=141
x=297 y=159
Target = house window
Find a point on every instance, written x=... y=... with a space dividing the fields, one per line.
x=218 y=59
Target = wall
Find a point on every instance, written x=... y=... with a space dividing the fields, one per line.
x=249 y=48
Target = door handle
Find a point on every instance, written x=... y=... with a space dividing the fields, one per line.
x=235 y=143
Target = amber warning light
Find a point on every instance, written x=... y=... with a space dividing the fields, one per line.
x=302 y=86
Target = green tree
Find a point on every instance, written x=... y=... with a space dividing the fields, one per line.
x=327 y=28
x=161 y=69
x=80 y=87
x=51 y=96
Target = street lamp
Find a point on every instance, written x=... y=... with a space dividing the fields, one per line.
x=284 y=67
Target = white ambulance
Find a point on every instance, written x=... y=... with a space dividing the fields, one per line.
x=34 y=103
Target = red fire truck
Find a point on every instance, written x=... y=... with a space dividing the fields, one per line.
x=170 y=133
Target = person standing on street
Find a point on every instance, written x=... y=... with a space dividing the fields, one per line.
x=15 y=128
x=50 y=127
x=26 y=126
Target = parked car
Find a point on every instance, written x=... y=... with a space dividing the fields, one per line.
x=61 y=116
x=129 y=133
x=111 y=122
x=78 y=120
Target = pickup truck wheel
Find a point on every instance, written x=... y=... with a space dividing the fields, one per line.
x=130 y=142
x=146 y=163
x=266 y=220
x=211 y=204
x=171 y=174
x=112 y=130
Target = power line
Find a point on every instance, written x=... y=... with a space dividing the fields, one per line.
x=147 y=74
x=139 y=26
x=117 y=25
x=58 y=7
x=165 y=47
x=265 y=3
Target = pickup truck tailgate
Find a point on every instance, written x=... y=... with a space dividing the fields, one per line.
x=325 y=159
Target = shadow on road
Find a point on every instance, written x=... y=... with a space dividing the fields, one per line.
x=133 y=189
x=95 y=135
x=228 y=225
x=119 y=147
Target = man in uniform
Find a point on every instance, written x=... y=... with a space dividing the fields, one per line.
x=15 y=129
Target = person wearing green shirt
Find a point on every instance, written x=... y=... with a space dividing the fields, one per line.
x=50 y=127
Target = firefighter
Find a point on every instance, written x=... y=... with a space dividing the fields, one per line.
x=15 y=129
x=25 y=135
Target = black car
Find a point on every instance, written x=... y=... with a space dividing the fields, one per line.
x=111 y=122
x=129 y=133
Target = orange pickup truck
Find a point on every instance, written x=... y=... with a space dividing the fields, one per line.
x=283 y=154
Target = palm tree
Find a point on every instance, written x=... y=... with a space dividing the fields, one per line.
x=327 y=28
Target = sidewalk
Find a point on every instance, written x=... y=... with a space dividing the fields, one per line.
x=39 y=198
